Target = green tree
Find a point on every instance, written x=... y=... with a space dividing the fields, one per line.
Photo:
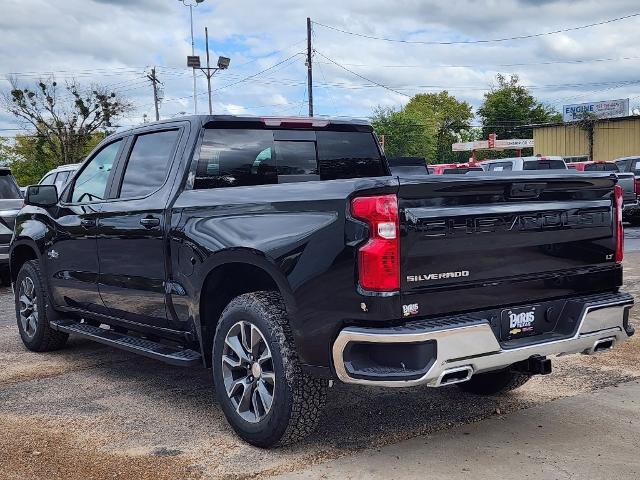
x=30 y=157
x=403 y=133
x=508 y=107
x=445 y=120
x=65 y=119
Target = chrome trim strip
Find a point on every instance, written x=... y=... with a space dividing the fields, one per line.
x=476 y=346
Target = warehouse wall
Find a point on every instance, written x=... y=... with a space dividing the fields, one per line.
x=614 y=139
x=611 y=139
x=563 y=140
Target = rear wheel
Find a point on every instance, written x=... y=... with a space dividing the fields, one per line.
x=494 y=383
x=263 y=392
x=34 y=311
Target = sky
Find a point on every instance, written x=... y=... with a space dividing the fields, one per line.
x=116 y=42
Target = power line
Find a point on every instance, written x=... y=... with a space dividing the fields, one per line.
x=467 y=42
x=477 y=65
x=362 y=76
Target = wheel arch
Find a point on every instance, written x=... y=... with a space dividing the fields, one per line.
x=21 y=252
x=230 y=275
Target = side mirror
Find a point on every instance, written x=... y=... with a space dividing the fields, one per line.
x=41 y=195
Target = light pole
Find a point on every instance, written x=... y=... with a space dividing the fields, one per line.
x=191 y=4
x=223 y=64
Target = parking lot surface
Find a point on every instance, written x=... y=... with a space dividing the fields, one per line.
x=90 y=411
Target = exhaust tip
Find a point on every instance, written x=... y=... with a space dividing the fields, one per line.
x=455 y=375
x=602 y=345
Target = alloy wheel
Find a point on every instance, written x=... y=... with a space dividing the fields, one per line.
x=28 y=307
x=247 y=370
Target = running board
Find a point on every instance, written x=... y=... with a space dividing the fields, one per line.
x=172 y=355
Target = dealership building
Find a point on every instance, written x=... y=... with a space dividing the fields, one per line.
x=615 y=134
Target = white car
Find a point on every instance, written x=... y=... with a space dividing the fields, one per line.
x=524 y=163
x=59 y=176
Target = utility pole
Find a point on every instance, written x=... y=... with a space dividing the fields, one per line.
x=154 y=81
x=309 y=68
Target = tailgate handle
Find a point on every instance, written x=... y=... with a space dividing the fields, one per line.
x=526 y=190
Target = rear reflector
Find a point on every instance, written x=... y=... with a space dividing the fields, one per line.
x=617 y=218
x=379 y=258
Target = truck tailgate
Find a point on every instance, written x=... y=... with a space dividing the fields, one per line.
x=533 y=232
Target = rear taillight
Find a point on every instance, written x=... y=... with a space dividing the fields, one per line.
x=379 y=258
x=617 y=218
x=636 y=186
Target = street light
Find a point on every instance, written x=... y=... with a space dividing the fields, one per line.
x=191 y=4
x=209 y=71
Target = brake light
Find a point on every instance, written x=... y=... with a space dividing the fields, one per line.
x=619 y=229
x=295 y=122
x=636 y=186
x=379 y=258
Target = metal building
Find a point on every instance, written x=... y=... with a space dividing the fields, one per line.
x=612 y=138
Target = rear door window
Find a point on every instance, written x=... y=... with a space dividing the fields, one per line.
x=235 y=158
x=148 y=163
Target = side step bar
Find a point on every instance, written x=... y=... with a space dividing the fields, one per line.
x=172 y=355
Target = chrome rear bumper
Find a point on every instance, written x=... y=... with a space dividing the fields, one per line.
x=462 y=351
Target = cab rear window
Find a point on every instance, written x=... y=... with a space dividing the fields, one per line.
x=544 y=165
x=243 y=157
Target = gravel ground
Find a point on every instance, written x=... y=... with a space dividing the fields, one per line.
x=90 y=411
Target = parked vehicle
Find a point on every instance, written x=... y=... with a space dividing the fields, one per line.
x=461 y=170
x=593 y=166
x=408 y=165
x=283 y=254
x=10 y=205
x=455 y=168
x=631 y=165
x=59 y=176
x=524 y=163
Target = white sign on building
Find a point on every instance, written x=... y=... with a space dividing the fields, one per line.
x=604 y=109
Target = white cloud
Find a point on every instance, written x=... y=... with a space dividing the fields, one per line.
x=113 y=42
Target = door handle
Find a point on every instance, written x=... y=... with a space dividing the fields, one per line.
x=150 y=222
x=88 y=222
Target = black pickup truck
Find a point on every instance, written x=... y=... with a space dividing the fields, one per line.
x=283 y=254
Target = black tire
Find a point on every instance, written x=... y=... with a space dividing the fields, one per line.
x=297 y=399
x=494 y=383
x=36 y=335
x=5 y=278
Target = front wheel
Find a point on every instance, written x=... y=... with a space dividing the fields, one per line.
x=34 y=311
x=494 y=383
x=263 y=392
